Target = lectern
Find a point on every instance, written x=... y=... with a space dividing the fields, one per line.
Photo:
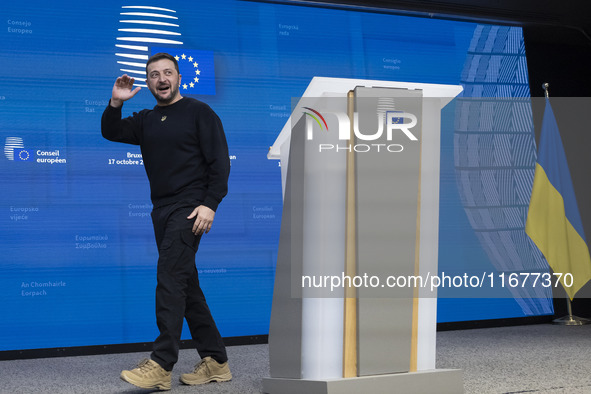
x=353 y=310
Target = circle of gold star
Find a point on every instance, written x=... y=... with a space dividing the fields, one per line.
x=190 y=59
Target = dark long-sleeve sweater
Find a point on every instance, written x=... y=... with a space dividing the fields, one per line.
x=183 y=146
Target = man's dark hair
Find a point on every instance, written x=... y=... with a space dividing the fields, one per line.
x=160 y=56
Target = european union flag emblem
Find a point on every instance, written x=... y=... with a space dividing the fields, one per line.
x=196 y=68
x=23 y=155
x=395 y=119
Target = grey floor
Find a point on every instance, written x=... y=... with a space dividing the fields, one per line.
x=526 y=359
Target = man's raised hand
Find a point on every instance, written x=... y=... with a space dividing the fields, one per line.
x=122 y=90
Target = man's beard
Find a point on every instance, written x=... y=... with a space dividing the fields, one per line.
x=161 y=100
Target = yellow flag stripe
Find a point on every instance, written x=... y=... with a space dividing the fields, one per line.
x=548 y=227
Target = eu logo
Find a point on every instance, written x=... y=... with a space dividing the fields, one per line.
x=196 y=68
x=23 y=154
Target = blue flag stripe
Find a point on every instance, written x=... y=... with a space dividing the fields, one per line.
x=552 y=159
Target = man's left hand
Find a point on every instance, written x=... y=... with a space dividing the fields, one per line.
x=204 y=218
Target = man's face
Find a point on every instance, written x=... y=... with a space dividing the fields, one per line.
x=164 y=81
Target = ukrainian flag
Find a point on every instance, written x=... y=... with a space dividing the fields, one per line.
x=553 y=221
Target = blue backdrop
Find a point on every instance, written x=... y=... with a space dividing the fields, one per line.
x=77 y=252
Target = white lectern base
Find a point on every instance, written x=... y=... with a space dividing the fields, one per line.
x=441 y=381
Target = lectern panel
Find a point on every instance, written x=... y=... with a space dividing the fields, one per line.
x=387 y=184
x=285 y=330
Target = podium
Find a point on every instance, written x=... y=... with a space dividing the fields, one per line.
x=353 y=310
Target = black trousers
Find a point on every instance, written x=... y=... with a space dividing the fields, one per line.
x=178 y=294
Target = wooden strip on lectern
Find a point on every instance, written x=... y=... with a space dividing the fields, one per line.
x=350 y=317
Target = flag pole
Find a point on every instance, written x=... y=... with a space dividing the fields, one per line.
x=545 y=86
x=570 y=319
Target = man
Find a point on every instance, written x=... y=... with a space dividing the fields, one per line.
x=186 y=159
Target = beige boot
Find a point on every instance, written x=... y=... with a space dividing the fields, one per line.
x=208 y=370
x=148 y=375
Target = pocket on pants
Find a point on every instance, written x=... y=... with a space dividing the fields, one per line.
x=190 y=239
x=177 y=253
x=166 y=243
x=185 y=236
